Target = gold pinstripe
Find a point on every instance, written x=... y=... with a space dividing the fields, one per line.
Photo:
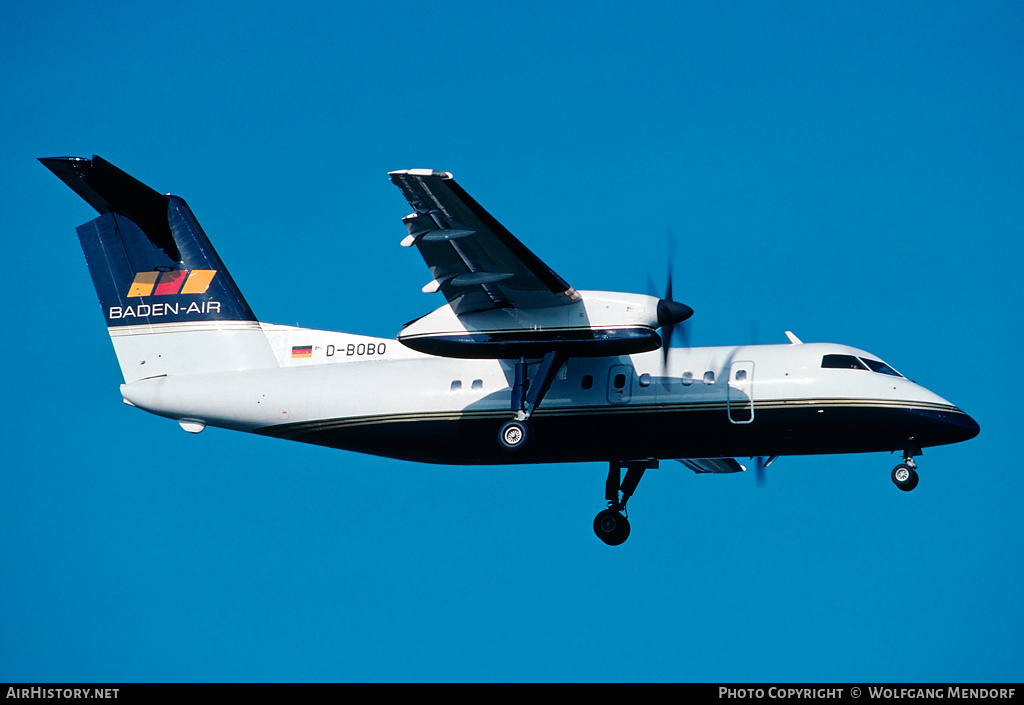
x=182 y=327
x=285 y=430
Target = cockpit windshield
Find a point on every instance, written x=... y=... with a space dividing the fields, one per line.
x=852 y=362
x=879 y=366
x=842 y=362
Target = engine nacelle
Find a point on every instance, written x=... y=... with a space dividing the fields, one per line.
x=599 y=324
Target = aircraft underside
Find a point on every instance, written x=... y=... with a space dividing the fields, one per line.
x=601 y=434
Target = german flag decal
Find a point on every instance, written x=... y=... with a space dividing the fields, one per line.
x=302 y=351
x=177 y=281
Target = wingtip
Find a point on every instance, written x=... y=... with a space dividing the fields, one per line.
x=421 y=172
x=63 y=165
x=67 y=160
x=44 y=160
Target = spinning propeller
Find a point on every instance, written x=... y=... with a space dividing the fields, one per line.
x=670 y=313
x=763 y=463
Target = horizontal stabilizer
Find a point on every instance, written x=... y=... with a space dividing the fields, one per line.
x=110 y=190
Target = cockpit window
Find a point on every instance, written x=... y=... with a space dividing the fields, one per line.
x=842 y=362
x=850 y=362
x=879 y=366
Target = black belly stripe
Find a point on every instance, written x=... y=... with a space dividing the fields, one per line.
x=612 y=432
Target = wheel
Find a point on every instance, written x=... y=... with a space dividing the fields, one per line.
x=611 y=527
x=904 y=477
x=513 y=435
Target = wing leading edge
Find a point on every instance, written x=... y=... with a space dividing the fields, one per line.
x=475 y=262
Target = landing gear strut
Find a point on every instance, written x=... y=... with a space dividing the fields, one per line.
x=526 y=397
x=904 y=475
x=611 y=524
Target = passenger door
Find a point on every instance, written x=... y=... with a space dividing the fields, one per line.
x=740 y=400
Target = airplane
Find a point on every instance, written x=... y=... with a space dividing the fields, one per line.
x=515 y=367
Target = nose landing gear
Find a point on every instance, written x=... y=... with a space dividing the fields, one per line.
x=904 y=475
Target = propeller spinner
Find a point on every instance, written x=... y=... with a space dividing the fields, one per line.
x=670 y=314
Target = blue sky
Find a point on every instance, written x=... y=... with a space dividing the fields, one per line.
x=851 y=172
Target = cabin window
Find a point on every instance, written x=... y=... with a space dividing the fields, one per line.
x=619 y=381
x=588 y=381
x=645 y=380
x=687 y=378
x=709 y=377
x=842 y=362
x=478 y=384
x=456 y=385
x=741 y=375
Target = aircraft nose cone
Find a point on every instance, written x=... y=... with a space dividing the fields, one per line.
x=948 y=427
x=963 y=426
x=672 y=312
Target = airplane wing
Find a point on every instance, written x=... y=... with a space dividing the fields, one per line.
x=715 y=465
x=476 y=263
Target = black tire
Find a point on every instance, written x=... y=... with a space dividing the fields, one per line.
x=513 y=435
x=904 y=477
x=611 y=527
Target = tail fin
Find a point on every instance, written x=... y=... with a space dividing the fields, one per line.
x=170 y=305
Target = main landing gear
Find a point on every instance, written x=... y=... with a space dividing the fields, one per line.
x=526 y=397
x=904 y=475
x=611 y=524
x=513 y=435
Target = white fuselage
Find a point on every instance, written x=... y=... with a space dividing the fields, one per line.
x=377 y=396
